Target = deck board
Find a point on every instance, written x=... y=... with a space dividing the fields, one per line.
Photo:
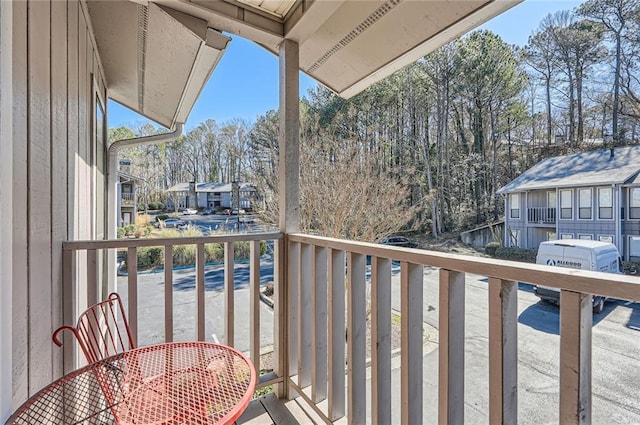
x=269 y=410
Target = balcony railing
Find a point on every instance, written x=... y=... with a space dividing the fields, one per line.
x=128 y=198
x=541 y=215
x=324 y=290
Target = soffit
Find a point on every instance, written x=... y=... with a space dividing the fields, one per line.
x=348 y=44
x=156 y=61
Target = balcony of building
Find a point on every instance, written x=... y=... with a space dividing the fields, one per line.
x=325 y=348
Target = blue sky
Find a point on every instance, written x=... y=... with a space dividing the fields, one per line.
x=245 y=83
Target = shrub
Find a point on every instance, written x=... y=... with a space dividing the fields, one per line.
x=491 y=248
x=161 y=217
x=143 y=220
x=517 y=254
x=120 y=232
x=129 y=229
x=213 y=252
x=150 y=257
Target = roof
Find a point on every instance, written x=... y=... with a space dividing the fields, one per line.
x=156 y=60
x=158 y=54
x=123 y=176
x=180 y=187
x=210 y=187
x=582 y=169
x=585 y=243
x=347 y=45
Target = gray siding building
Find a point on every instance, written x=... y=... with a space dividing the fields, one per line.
x=591 y=195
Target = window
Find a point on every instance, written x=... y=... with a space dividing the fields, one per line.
x=514 y=238
x=551 y=199
x=605 y=203
x=514 y=205
x=584 y=204
x=566 y=207
x=634 y=203
x=585 y=237
x=566 y=235
x=605 y=238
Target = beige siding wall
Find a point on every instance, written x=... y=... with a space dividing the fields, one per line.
x=56 y=70
x=6 y=198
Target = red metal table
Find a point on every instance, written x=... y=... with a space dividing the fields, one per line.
x=172 y=383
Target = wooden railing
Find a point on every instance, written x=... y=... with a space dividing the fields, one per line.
x=541 y=215
x=83 y=286
x=324 y=290
x=327 y=286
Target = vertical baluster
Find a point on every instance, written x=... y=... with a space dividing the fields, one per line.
x=254 y=301
x=304 y=307
x=337 y=331
x=356 y=338
x=229 y=287
x=380 y=340
x=280 y=315
x=503 y=351
x=69 y=306
x=168 y=293
x=576 y=321
x=319 y=314
x=293 y=272
x=451 y=348
x=132 y=292
x=200 y=291
x=92 y=277
x=411 y=276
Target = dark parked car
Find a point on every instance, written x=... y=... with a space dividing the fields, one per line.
x=207 y=212
x=400 y=241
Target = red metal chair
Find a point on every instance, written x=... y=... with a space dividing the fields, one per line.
x=102 y=330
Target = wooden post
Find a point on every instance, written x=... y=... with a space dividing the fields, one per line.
x=289 y=190
x=337 y=329
x=229 y=293
x=381 y=340
x=254 y=301
x=411 y=281
x=451 y=362
x=319 y=330
x=289 y=138
x=168 y=293
x=280 y=325
x=356 y=338
x=200 y=312
x=132 y=288
x=305 y=322
x=503 y=351
x=575 y=357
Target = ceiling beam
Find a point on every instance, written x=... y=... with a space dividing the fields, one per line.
x=233 y=18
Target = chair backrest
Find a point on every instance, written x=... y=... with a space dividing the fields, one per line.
x=102 y=330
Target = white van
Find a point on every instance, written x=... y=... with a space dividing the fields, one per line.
x=577 y=254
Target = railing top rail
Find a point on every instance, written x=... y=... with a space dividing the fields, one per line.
x=127 y=243
x=607 y=284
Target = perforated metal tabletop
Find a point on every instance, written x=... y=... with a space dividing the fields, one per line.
x=173 y=383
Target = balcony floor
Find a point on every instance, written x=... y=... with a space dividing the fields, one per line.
x=269 y=410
